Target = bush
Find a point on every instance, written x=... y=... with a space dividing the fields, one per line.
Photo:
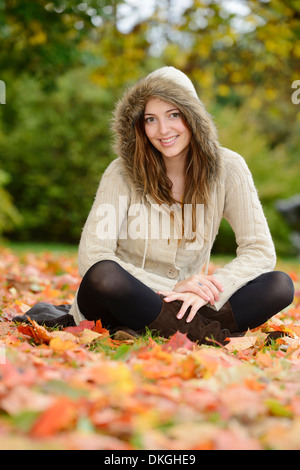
x=274 y=170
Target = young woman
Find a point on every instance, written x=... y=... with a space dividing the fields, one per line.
x=156 y=214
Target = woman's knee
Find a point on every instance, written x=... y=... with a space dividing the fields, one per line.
x=101 y=277
x=282 y=288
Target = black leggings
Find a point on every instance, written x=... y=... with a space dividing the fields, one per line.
x=110 y=293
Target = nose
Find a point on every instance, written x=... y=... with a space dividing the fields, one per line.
x=163 y=126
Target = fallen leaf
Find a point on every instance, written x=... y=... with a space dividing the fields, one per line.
x=58 y=417
x=241 y=343
x=87 y=336
x=85 y=324
x=77 y=388
x=58 y=344
x=178 y=340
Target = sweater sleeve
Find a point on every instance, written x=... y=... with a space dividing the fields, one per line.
x=107 y=214
x=243 y=210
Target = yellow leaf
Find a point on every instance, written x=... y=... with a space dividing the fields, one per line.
x=239 y=344
x=87 y=336
x=58 y=344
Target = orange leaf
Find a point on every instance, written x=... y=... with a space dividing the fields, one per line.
x=99 y=328
x=188 y=368
x=254 y=384
x=293 y=276
x=38 y=332
x=25 y=329
x=58 y=417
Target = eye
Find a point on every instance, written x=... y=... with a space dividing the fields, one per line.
x=150 y=119
x=175 y=115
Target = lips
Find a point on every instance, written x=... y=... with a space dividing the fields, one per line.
x=170 y=140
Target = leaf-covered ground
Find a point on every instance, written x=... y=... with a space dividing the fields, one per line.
x=78 y=389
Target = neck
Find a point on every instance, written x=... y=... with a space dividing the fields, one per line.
x=175 y=169
x=175 y=166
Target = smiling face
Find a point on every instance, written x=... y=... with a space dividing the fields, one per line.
x=166 y=129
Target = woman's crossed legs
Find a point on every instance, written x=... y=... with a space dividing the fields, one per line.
x=108 y=292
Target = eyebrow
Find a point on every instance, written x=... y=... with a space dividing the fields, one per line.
x=169 y=111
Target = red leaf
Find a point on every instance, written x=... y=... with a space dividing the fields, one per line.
x=84 y=325
x=87 y=325
x=178 y=340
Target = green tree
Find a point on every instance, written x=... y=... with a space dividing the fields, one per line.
x=44 y=38
x=9 y=216
x=56 y=154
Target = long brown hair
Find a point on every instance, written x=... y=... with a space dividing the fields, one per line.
x=149 y=168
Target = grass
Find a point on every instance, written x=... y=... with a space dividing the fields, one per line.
x=39 y=247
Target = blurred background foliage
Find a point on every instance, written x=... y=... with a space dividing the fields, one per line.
x=65 y=63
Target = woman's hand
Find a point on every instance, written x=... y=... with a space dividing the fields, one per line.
x=206 y=287
x=189 y=299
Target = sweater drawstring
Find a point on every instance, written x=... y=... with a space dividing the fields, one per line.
x=146 y=235
x=207 y=261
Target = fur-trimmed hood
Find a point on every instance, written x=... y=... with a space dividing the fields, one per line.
x=170 y=85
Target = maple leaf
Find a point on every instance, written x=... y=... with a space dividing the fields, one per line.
x=87 y=336
x=241 y=343
x=99 y=328
x=42 y=335
x=178 y=340
x=85 y=324
x=38 y=332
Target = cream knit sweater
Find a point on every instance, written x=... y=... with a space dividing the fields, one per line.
x=125 y=225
